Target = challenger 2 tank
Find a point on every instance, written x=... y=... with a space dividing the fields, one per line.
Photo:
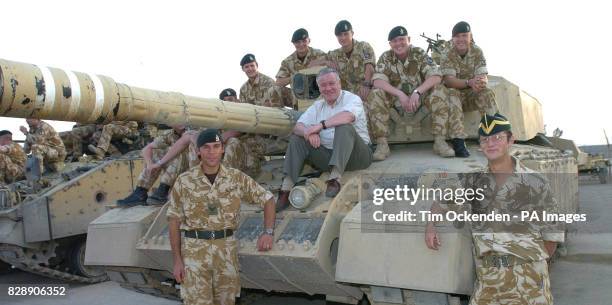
x=321 y=246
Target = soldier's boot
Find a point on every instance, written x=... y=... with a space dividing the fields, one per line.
x=137 y=197
x=100 y=153
x=442 y=148
x=382 y=150
x=460 y=149
x=160 y=196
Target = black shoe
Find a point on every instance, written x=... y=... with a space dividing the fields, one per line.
x=460 y=149
x=282 y=202
x=333 y=188
x=160 y=196
x=137 y=197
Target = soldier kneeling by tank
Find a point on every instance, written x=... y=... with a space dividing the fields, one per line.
x=152 y=153
x=12 y=159
x=332 y=134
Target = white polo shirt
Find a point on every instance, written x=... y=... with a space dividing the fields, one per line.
x=320 y=110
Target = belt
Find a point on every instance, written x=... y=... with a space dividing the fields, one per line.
x=209 y=234
x=495 y=260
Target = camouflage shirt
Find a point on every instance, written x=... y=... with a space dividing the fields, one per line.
x=16 y=154
x=466 y=67
x=202 y=206
x=256 y=92
x=132 y=125
x=352 y=68
x=292 y=64
x=411 y=72
x=45 y=135
x=524 y=190
x=165 y=139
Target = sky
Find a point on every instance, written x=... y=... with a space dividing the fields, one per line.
x=555 y=51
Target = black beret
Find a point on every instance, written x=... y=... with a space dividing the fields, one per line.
x=343 y=26
x=249 y=58
x=5 y=132
x=397 y=31
x=227 y=92
x=299 y=34
x=461 y=27
x=492 y=124
x=208 y=136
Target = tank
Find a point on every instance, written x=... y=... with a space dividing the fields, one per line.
x=321 y=245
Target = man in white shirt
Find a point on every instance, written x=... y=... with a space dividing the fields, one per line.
x=332 y=134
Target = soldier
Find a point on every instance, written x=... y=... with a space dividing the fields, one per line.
x=205 y=204
x=302 y=58
x=151 y=154
x=510 y=258
x=332 y=134
x=465 y=74
x=80 y=134
x=12 y=159
x=405 y=76
x=259 y=89
x=45 y=145
x=113 y=131
x=354 y=60
x=228 y=95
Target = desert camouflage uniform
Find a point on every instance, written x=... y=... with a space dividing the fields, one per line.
x=264 y=92
x=12 y=164
x=292 y=64
x=78 y=134
x=46 y=145
x=406 y=76
x=473 y=63
x=116 y=130
x=525 y=280
x=352 y=68
x=211 y=266
x=161 y=144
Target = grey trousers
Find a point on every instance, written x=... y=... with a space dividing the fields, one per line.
x=349 y=153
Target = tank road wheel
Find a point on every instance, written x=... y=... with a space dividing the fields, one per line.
x=603 y=175
x=77 y=262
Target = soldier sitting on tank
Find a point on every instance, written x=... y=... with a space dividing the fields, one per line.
x=117 y=130
x=260 y=89
x=80 y=135
x=12 y=159
x=510 y=256
x=151 y=154
x=465 y=74
x=303 y=57
x=332 y=134
x=405 y=76
x=45 y=145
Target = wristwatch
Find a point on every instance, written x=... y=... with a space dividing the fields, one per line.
x=269 y=231
x=417 y=92
x=323 y=123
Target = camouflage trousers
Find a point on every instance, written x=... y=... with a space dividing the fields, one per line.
x=168 y=174
x=114 y=132
x=524 y=284
x=10 y=171
x=248 y=152
x=467 y=100
x=211 y=271
x=78 y=135
x=51 y=157
x=379 y=105
x=278 y=96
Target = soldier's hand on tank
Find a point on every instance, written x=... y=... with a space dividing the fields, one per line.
x=24 y=130
x=179 y=271
x=314 y=140
x=432 y=240
x=264 y=243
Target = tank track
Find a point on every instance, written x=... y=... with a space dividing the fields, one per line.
x=27 y=264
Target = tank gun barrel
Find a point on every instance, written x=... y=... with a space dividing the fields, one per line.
x=28 y=90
